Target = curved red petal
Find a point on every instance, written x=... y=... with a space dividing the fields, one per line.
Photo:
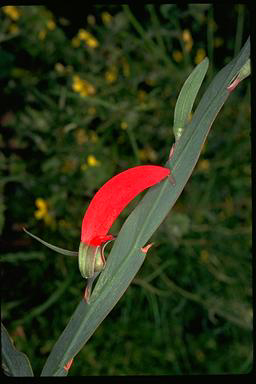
x=114 y=196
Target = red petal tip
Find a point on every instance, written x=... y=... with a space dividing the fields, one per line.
x=68 y=365
x=146 y=248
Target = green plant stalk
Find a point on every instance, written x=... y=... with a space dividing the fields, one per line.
x=47 y=304
x=239 y=28
x=151 y=45
x=210 y=39
x=157 y=26
x=126 y=256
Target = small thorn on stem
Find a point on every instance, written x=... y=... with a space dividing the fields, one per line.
x=68 y=365
x=146 y=248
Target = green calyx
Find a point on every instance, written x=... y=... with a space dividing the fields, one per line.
x=90 y=260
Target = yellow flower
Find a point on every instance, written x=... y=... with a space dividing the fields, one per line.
x=14 y=29
x=42 y=34
x=126 y=68
x=150 y=81
x=41 y=204
x=91 y=20
x=75 y=42
x=111 y=75
x=94 y=137
x=187 y=38
x=92 y=42
x=200 y=55
x=177 y=56
x=92 y=111
x=204 y=256
x=106 y=18
x=218 y=42
x=147 y=153
x=81 y=136
x=87 y=37
x=77 y=84
x=229 y=206
x=142 y=95
x=59 y=68
x=69 y=165
x=51 y=25
x=64 y=224
x=83 y=35
x=92 y=161
x=82 y=86
x=124 y=125
x=200 y=356
x=203 y=165
x=13 y=12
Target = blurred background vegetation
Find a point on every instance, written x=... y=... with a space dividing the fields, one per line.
x=85 y=96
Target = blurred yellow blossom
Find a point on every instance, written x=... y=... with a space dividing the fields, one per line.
x=200 y=55
x=126 y=68
x=148 y=153
x=150 y=81
x=92 y=111
x=141 y=95
x=64 y=224
x=218 y=42
x=83 y=34
x=82 y=86
x=69 y=165
x=59 y=68
x=94 y=137
x=42 y=212
x=51 y=25
x=42 y=34
x=106 y=18
x=111 y=75
x=91 y=162
x=188 y=41
x=200 y=356
x=124 y=125
x=92 y=42
x=87 y=37
x=91 y=20
x=177 y=56
x=81 y=136
x=229 y=206
x=204 y=256
x=203 y=165
x=75 y=42
x=13 y=12
x=14 y=29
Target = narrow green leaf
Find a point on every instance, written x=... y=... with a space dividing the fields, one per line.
x=126 y=256
x=53 y=247
x=14 y=363
x=187 y=97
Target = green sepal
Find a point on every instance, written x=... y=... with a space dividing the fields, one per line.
x=90 y=260
x=53 y=247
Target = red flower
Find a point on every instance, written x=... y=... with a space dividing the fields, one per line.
x=113 y=197
x=103 y=210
